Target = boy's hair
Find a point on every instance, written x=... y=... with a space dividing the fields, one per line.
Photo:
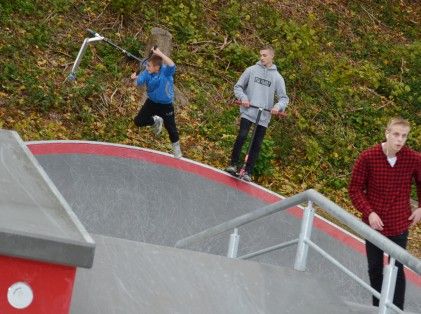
x=397 y=121
x=155 y=60
x=268 y=47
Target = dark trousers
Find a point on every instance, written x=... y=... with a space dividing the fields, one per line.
x=255 y=145
x=166 y=112
x=375 y=269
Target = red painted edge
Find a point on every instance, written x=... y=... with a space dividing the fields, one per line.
x=52 y=285
x=104 y=149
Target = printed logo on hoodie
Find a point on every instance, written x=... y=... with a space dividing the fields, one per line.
x=262 y=81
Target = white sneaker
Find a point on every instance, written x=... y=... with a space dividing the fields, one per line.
x=177 y=150
x=157 y=126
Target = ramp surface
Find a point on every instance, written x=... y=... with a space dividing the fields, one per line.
x=35 y=220
x=145 y=196
x=131 y=277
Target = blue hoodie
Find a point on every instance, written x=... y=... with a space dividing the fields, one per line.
x=160 y=85
x=259 y=84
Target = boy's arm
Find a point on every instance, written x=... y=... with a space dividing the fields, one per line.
x=165 y=59
x=140 y=79
x=416 y=214
x=282 y=95
x=134 y=78
x=357 y=186
x=169 y=68
x=418 y=179
x=356 y=190
x=241 y=85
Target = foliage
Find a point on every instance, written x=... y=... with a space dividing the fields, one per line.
x=231 y=18
x=264 y=164
x=183 y=17
x=239 y=56
x=122 y=6
x=22 y=6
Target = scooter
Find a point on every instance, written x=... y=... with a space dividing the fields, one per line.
x=97 y=37
x=242 y=171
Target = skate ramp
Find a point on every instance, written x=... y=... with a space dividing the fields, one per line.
x=132 y=277
x=146 y=196
x=41 y=240
x=35 y=220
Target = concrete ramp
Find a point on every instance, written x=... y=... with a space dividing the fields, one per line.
x=36 y=222
x=131 y=277
x=147 y=196
x=129 y=196
x=41 y=239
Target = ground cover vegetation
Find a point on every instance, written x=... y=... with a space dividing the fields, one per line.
x=348 y=65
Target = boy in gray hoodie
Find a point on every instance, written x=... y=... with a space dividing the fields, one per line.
x=257 y=86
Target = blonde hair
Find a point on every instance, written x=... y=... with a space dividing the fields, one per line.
x=397 y=121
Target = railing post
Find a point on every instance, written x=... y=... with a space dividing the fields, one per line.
x=388 y=287
x=305 y=234
x=233 y=244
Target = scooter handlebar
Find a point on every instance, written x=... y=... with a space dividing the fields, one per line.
x=91 y=32
x=278 y=114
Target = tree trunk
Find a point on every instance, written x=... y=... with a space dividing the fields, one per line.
x=163 y=39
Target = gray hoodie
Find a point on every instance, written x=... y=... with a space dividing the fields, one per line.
x=258 y=85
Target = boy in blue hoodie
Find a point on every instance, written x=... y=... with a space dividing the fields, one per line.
x=257 y=86
x=158 y=109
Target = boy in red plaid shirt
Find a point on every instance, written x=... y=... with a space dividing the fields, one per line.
x=380 y=189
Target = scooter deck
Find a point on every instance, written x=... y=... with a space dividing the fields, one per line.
x=236 y=175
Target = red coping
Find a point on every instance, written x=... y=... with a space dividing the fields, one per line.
x=47 y=148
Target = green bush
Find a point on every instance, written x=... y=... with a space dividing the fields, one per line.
x=231 y=17
x=264 y=163
x=19 y=6
x=184 y=18
x=240 y=57
x=125 y=6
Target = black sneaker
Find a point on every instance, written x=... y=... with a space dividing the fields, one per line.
x=232 y=170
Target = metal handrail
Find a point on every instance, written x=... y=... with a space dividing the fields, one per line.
x=343 y=268
x=270 y=249
x=332 y=208
x=244 y=219
x=366 y=232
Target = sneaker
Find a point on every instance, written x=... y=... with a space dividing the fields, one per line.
x=246 y=177
x=157 y=126
x=177 y=150
x=232 y=170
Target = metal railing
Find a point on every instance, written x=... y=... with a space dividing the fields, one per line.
x=304 y=242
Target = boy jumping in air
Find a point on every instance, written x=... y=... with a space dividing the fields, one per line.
x=158 y=108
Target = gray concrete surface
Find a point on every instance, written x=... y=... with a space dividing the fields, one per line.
x=35 y=220
x=145 y=202
x=131 y=277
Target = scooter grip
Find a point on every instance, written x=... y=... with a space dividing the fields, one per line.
x=151 y=52
x=91 y=32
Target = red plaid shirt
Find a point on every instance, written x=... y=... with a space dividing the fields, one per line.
x=378 y=187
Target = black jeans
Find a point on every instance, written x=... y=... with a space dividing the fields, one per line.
x=375 y=269
x=255 y=145
x=166 y=112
